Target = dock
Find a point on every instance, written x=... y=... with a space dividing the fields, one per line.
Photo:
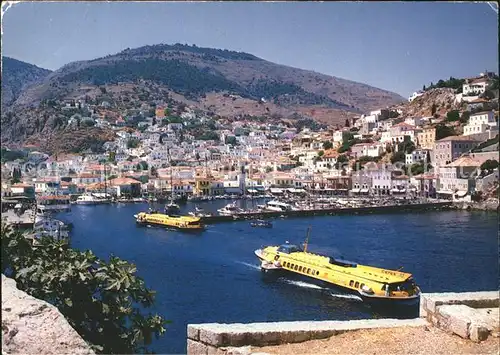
x=330 y=212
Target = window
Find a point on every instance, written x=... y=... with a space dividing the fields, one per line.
x=362 y=285
x=356 y=284
x=296 y=267
x=317 y=273
x=300 y=268
x=351 y=283
x=308 y=270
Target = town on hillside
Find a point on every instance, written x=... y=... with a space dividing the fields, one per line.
x=429 y=147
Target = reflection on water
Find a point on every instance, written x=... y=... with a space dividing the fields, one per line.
x=215 y=277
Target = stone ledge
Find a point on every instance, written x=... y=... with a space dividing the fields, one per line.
x=275 y=333
x=33 y=326
x=481 y=299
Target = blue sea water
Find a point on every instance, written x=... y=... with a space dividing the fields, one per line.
x=214 y=276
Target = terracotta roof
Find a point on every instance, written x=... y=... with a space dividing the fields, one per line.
x=403 y=124
x=465 y=161
x=478 y=100
x=457 y=138
x=123 y=181
x=20 y=184
x=481 y=113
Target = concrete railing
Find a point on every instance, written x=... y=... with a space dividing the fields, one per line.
x=214 y=338
x=472 y=315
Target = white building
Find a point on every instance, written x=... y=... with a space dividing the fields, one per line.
x=474 y=87
x=338 y=136
x=415 y=95
x=416 y=156
x=480 y=122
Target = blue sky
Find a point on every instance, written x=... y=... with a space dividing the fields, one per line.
x=394 y=46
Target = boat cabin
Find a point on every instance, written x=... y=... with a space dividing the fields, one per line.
x=344 y=263
x=289 y=248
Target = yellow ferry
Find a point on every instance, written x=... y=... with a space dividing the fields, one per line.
x=370 y=283
x=179 y=222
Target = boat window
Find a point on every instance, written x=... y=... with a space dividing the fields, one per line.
x=300 y=268
x=351 y=283
x=317 y=273
x=361 y=286
x=296 y=267
x=356 y=284
x=288 y=248
x=308 y=270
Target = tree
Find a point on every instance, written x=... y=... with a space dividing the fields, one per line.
x=112 y=157
x=465 y=117
x=144 y=165
x=154 y=172
x=443 y=131
x=341 y=161
x=347 y=124
x=423 y=88
x=321 y=153
x=327 y=145
x=433 y=108
x=398 y=156
x=105 y=302
x=132 y=143
x=453 y=116
x=489 y=165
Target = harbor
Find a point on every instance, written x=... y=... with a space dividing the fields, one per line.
x=211 y=275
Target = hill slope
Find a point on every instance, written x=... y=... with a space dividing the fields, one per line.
x=17 y=76
x=222 y=82
x=194 y=71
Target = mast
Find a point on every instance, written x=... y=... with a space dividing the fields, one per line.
x=105 y=183
x=307 y=239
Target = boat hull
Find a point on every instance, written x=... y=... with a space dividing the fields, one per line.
x=402 y=307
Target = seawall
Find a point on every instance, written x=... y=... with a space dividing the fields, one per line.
x=332 y=211
x=471 y=315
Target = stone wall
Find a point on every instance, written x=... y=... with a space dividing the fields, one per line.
x=215 y=338
x=32 y=326
x=471 y=315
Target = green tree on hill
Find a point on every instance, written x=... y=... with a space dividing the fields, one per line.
x=105 y=302
x=327 y=145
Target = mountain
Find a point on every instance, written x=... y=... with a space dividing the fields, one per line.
x=17 y=76
x=221 y=82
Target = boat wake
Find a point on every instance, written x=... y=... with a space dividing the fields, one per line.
x=351 y=297
x=252 y=266
x=304 y=284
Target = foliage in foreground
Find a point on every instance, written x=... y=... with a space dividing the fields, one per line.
x=103 y=301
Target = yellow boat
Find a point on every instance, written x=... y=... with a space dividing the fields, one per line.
x=164 y=220
x=370 y=283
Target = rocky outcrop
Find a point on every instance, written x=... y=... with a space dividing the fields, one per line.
x=33 y=326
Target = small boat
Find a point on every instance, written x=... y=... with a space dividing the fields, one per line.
x=187 y=223
x=91 y=199
x=229 y=210
x=45 y=226
x=172 y=209
x=261 y=223
x=374 y=285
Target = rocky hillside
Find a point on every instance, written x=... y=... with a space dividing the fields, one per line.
x=220 y=82
x=33 y=326
x=434 y=101
x=16 y=77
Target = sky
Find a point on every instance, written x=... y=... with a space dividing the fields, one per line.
x=397 y=46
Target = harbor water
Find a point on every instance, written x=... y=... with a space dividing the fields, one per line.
x=214 y=276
